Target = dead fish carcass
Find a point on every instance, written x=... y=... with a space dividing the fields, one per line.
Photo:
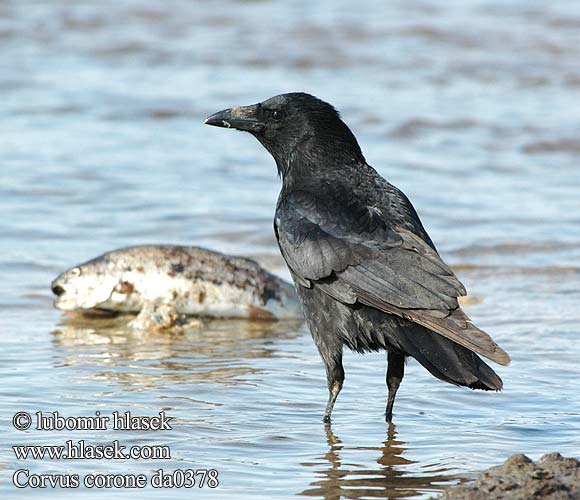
x=193 y=280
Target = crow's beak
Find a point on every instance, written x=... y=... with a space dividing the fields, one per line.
x=240 y=118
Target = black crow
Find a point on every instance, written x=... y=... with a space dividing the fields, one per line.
x=367 y=274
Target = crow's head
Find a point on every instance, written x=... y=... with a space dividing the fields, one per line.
x=296 y=128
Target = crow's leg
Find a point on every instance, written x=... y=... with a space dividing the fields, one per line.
x=395 y=372
x=334 y=379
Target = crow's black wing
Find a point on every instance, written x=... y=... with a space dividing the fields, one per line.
x=354 y=252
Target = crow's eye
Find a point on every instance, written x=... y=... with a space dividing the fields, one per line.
x=275 y=114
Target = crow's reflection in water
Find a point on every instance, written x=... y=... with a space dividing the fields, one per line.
x=389 y=479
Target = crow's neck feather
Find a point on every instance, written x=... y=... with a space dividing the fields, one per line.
x=318 y=153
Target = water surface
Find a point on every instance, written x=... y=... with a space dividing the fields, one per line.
x=469 y=108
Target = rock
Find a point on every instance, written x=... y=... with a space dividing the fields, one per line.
x=553 y=477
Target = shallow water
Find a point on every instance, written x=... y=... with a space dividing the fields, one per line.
x=469 y=108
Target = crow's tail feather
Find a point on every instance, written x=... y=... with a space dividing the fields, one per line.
x=448 y=361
